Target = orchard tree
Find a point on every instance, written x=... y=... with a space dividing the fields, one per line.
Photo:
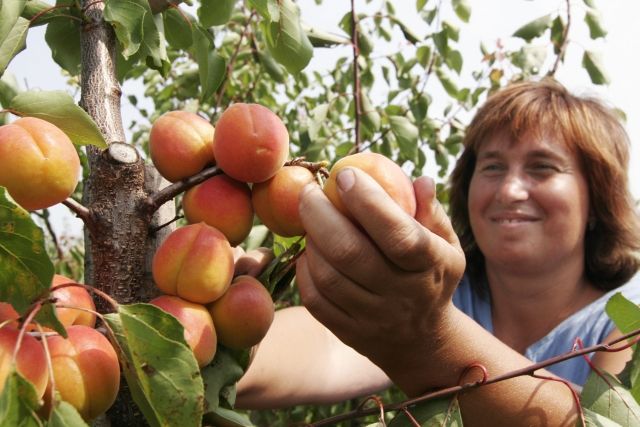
x=394 y=95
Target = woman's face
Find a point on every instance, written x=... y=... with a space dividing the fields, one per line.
x=528 y=203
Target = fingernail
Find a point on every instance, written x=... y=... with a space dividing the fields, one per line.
x=346 y=178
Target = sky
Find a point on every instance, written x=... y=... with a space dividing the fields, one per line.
x=491 y=20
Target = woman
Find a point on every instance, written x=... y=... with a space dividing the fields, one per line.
x=539 y=199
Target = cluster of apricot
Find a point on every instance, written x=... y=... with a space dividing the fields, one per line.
x=194 y=266
x=85 y=367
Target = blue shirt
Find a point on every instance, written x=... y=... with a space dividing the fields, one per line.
x=590 y=323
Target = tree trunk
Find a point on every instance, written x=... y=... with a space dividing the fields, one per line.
x=118 y=241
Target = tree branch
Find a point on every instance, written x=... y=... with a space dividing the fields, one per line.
x=527 y=370
x=80 y=210
x=156 y=200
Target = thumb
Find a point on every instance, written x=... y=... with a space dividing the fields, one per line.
x=430 y=212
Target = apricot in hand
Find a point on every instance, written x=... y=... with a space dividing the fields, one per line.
x=223 y=203
x=199 y=332
x=39 y=165
x=195 y=262
x=85 y=369
x=181 y=144
x=243 y=315
x=251 y=143
x=276 y=200
x=383 y=170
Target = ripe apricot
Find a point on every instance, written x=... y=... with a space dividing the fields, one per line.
x=383 y=170
x=181 y=144
x=276 y=200
x=31 y=361
x=85 y=369
x=199 y=331
x=195 y=262
x=251 y=143
x=223 y=203
x=39 y=165
x=243 y=315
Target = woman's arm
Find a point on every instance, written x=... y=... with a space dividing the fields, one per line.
x=300 y=361
x=384 y=288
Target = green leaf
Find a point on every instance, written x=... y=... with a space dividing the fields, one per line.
x=58 y=107
x=454 y=60
x=320 y=38
x=13 y=43
x=407 y=31
x=590 y=3
x=215 y=12
x=63 y=37
x=25 y=268
x=530 y=58
x=624 y=313
x=420 y=4
x=443 y=412
x=268 y=9
x=65 y=415
x=228 y=418
x=592 y=63
x=534 y=28
x=419 y=106
x=593 y=419
x=43 y=11
x=159 y=366
x=10 y=12
x=286 y=39
x=423 y=55
x=448 y=85
x=178 y=28
x=139 y=31
x=275 y=70
x=407 y=135
x=557 y=34
x=211 y=67
x=317 y=118
x=18 y=402
x=462 y=9
x=441 y=40
x=8 y=89
x=370 y=116
x=605 y=395
x=220 y=378
x=596 y=29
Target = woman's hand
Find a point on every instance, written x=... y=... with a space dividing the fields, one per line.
x=252 y=262
x=384 y=285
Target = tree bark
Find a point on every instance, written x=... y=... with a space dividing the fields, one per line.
x=118 y=243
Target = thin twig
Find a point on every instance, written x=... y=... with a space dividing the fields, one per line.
x=528 y=370
x=357 y=90
x=564 y=43
x=80 y=210
x=154 y=201
x=231 y=64
x=52 y=233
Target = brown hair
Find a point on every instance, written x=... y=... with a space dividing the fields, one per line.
x=591 y=130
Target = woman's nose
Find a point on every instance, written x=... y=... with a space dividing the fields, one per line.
x=512 y=188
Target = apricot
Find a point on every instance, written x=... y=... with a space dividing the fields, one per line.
x=383 y=170
x=70 y=297
x=85 y=369
x=79 y=306
x=221 y=202
x=251 y=142
x=31 y=360
x=199 y=331
x=195 y=262
x=181 y=144
x=276 y=200
x=243 y=315
x=39 y=165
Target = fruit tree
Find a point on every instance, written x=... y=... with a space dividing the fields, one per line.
x=144 y=323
